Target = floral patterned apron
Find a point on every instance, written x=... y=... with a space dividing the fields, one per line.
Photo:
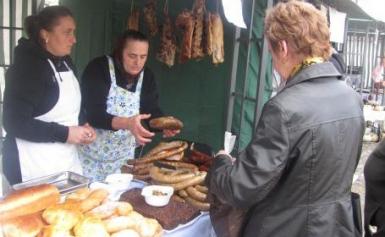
x=112 y=149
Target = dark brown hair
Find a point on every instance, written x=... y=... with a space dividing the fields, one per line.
x=46 y=19
x=124 y=38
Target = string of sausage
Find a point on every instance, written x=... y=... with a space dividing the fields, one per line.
x=160 y=155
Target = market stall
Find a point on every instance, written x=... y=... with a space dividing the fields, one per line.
x=206 y=96
x=197 y=85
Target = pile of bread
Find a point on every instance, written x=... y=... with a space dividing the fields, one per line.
x=37 y=211
x=165 y=165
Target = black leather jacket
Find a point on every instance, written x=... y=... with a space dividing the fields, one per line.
x=294 y=178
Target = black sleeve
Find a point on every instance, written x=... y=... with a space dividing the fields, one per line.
x=149 y=98
x=25 y=86
x=95 y=86
x=258 y=168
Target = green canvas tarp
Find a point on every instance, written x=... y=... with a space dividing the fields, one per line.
x=197 y=91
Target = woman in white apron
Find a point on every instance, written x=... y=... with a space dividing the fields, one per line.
x=118 y=92
x=42 y=101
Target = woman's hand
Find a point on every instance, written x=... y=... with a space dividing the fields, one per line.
x=81 y=134
x=142 y=135
x=223 y=152
x=170 y=132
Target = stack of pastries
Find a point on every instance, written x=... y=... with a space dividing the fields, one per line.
x=36 y=211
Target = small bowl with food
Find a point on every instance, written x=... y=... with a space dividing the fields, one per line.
x=157 y=195
x=119 y=181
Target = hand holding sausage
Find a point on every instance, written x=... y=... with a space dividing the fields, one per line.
x=142 y=135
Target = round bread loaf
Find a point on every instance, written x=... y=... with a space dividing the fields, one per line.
x=167 y=122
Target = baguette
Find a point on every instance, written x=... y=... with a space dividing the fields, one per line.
x=29 y=200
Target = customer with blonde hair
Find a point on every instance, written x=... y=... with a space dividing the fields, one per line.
x=295 y=176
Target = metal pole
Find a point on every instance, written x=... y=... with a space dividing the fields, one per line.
x=12 y=36
x=234 y=68
x=344 y=50
x=250 y=38
x=363 y=56
x=34 y=7
x=261 y=77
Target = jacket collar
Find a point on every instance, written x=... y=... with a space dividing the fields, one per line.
x=315 y=71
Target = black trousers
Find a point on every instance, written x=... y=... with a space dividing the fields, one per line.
x=374 y=172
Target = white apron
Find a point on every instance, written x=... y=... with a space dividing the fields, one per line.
x=41 y=159
x=112 y=149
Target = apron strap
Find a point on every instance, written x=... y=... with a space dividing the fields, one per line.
x=54 y=70
x=140 y=82
x=112 y=70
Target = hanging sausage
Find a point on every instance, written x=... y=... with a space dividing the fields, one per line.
x=218 y=54
x=150 y=17
x=185 y=22
x=208 y=40
x=133 y=19
x=199 y=20
x=167 y=48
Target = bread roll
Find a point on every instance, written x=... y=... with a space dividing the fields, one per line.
x=118 y=223
x=64 y=219
x=90 y=226
x=54 y=231
x=126 y=233
x=109 y=209
x=28 y=201
x=93 y=200
x=149 y=228
x=78 y=195
x=25 y=226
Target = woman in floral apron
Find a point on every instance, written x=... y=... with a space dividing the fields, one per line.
x=118 y=93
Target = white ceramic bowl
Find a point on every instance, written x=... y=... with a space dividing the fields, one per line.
x=119 y=181
x=157 y=195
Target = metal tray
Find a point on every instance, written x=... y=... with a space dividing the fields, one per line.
x=66 y=182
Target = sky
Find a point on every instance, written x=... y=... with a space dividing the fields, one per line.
x=375 y=8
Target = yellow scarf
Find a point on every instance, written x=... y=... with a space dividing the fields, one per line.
x=305 y=63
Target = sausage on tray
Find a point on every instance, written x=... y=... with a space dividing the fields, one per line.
x=195 y=194
x=167 y=176
x=199 y=178
x=203 y=206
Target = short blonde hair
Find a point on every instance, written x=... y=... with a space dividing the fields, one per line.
x=303 y=27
